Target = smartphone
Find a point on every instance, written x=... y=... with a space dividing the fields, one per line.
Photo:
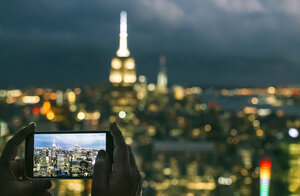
x=65 y=154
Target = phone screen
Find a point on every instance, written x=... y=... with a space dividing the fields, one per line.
x=66 y=155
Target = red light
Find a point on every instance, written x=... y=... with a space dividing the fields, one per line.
x=35 y=111
x=213 y=104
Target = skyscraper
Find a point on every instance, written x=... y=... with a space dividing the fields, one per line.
x=123 y=65
x=122 y=74
x=162 y=79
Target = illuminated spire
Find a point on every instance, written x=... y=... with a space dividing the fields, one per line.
x=123 y=50
x=162 y=79
x=122 y=71
x=53 y=144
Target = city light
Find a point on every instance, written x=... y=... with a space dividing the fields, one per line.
x=142 y=78
x=207 y=127
x=71 y=96
x=151 y=87
x=46 y=107
x=264 y=112
x=10 y=100
x=250 y=110
x=115 y=77
x=294 y=165
x=129 y=63
x=92 y=115
x=265 y=177
x=259 y=132
x=35 y=111
x=294 y=133
x=31 y=99
x=254 y=100
x=201 y=185
x=13 y=93
x=3 y=129
x=116 y=63
x=81 y=115
x=178 y=92
x=224 y=181
x=52 y=96
x=50 y=115
x=129 y=78
x=122 y=114
x=271 y=90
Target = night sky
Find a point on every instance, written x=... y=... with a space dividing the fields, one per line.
x=60 y=43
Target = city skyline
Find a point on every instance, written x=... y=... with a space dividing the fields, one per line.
x=206 y=43
x=68 y=141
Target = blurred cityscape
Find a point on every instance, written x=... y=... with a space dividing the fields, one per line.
x=188 y=140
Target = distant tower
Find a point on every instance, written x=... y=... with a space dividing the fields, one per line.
x=53 y=143
x=162 y=79
x=122 y=71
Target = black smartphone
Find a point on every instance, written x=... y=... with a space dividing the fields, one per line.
x=65 y=154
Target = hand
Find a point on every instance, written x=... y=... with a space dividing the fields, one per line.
x=120 y=179
x=12 y=174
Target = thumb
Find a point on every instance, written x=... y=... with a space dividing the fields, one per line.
x=101 y=174
x=34 y=187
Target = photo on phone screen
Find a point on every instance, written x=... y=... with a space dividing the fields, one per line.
x=66 y=155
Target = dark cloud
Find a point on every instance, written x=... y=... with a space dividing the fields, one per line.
x=209 y=42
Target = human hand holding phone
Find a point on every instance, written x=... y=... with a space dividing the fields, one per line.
x=120 y=178
x=12 y=175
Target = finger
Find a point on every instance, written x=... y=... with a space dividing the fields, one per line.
x=34 y=187
x=135 y=171
x=102 y=169
x=139 y=186
x=132 y=159
x=11 y=148
x=121 y=154
x=118 y=137
x=21 y=168
x=139 y=189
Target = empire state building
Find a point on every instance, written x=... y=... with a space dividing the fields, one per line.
x=122 y=71
x=123 y=75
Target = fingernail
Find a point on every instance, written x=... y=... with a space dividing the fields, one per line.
x=101 y=154
x=32 y=124
x=46 y=183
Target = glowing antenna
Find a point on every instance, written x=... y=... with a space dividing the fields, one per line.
x=123 y=24
x=123 y=50
x=265 y=177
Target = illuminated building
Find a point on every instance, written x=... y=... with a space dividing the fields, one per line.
x=294 y=171
x=162 y=79
x=265 y=177
x=53 y=150
x=122 y=71
x=3 y=128
x=75 y=168
x=141 y=91
x=44 y=164
x=122 y=74
x=178 y=92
